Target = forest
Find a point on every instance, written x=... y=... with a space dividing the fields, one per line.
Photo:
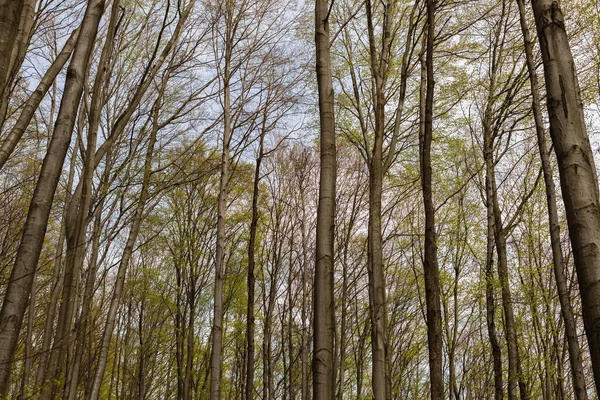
x=297 y=200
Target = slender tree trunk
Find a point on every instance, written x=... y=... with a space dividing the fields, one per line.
x=141 y=386
x=515 y=373
x=19 y=287
x=323 y=346
x=82 y=322
x=25 y=389
x=304 y=311
x=179 y=330
x=515 y=378
x=577 y=373
x=125 y=259
x=251 y=279
x=432 y=279
x=217 y=327
x=10 y=142
x=187 y=383
x=578 y=177
x=490 y=302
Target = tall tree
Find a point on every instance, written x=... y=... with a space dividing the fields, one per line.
x=577 y=170
x=577 y=372
x=430 y=261
x=217 y=324
x=380 y=68
x=324 y=318
x=22 y=275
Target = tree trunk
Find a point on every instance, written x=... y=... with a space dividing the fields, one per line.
x=217 y=327
x=76 y=228
x=126 y=258
x=19 y=49
x=379 y=71
x=10 y=142
x=578 y=177
x=19 y=287
x=25 y=389
x=56 y=283
x=10 y=16
x=557 y=256
x=515 y=373
x=323 y=346
x=430 y=264
x=490 y=302
x=251 y=278
x=304 y=312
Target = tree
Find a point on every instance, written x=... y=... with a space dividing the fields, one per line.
x=23 y=272
x=578 y=177
x=323 y=363
x=557 y=254
x=430 y=261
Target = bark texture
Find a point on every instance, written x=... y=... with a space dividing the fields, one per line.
x=578 y=177
x=577 y=373
x=430 y=262
x=323 y=346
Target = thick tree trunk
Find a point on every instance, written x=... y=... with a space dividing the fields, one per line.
x=76 y=229
x=379 y=71
x=19 y=287
x=577 y=373
x=578 y=177
x=323 y=346
x=10 y=16
x=430 y=262
x=21 y=42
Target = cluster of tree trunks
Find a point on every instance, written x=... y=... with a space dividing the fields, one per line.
x=238 y=33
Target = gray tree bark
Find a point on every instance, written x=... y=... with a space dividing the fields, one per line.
x=577 y=373
x=578 y=177
x=217 y=327
x=323 y=346
x=379 y=71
